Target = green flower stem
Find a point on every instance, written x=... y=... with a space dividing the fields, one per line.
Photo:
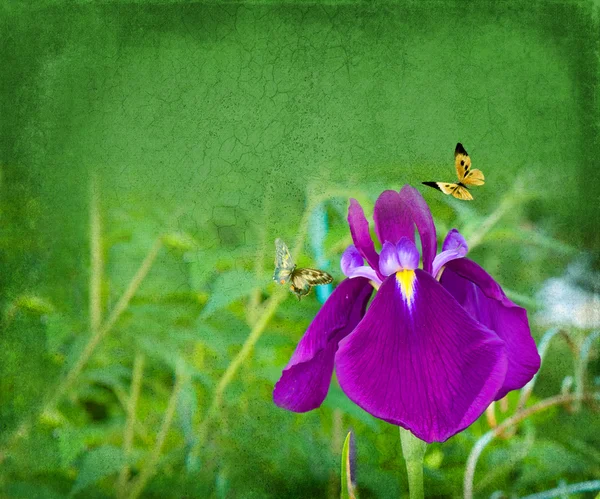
x=413 y=450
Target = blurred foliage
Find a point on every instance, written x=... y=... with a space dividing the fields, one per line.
x=211 y=128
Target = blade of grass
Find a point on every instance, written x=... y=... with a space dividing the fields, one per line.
x=347 y=477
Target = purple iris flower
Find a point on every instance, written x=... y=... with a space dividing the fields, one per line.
x=436 y=345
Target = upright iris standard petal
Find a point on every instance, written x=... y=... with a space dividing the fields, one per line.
x=484 y=300
x=392 y=218
x=408 y=254
x=423 y=364
x=305 y=380
x=455 y=246
x=421 y=216
x=359 y=229
x=388 y=259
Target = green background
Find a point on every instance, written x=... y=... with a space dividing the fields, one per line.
x=216 y=122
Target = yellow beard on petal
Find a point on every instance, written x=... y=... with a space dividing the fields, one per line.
x=406 y=279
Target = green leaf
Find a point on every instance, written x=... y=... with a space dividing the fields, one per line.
x=230 y=287
x=71 y=442
x=179 y=241
x=348 y=483
x=187 y=406
x=58 y=329
x=27 y=490
x=98 y=464
x=35 y=304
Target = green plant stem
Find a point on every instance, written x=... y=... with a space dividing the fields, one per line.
x=96 y=337
x=254 y=302
x=542 y=349
x=149 y=469
x=337 y=442
x=413 y=450
x=564 y=490
x=506 y=204
x=256 y=332
x=96 y=260
x=581 y=367
x=267 y=312
x=510 y=422
x=136 y=383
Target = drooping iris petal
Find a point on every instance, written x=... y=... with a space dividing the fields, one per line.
x=392 y=218
x=455 y=246
x=352 y=265
x=424 y=364
x=305 y=380
x=408 y=254
x=388 y=259
x=421 y=216
x=484 y=300
x=359 y=228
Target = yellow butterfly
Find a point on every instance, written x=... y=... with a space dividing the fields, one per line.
x=466 y=176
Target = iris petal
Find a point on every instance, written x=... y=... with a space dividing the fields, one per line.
x=388 y=259
x=365 y=271
x=352 y=265
x=428 y=367
x=408 y=254
x=305 y=381
x=454 y=241
x=392 y=218
x=455 y=246
x=484 y=300
x=351 y=258
x=359 y=228
x=421 y=216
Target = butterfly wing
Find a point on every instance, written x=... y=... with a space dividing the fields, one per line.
x=445 y=187
x=474 y=177
x=313 y=277
x=461 y=192
x=304 y=279
x=466 y=176
x=462 y=162
x=284 y=265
